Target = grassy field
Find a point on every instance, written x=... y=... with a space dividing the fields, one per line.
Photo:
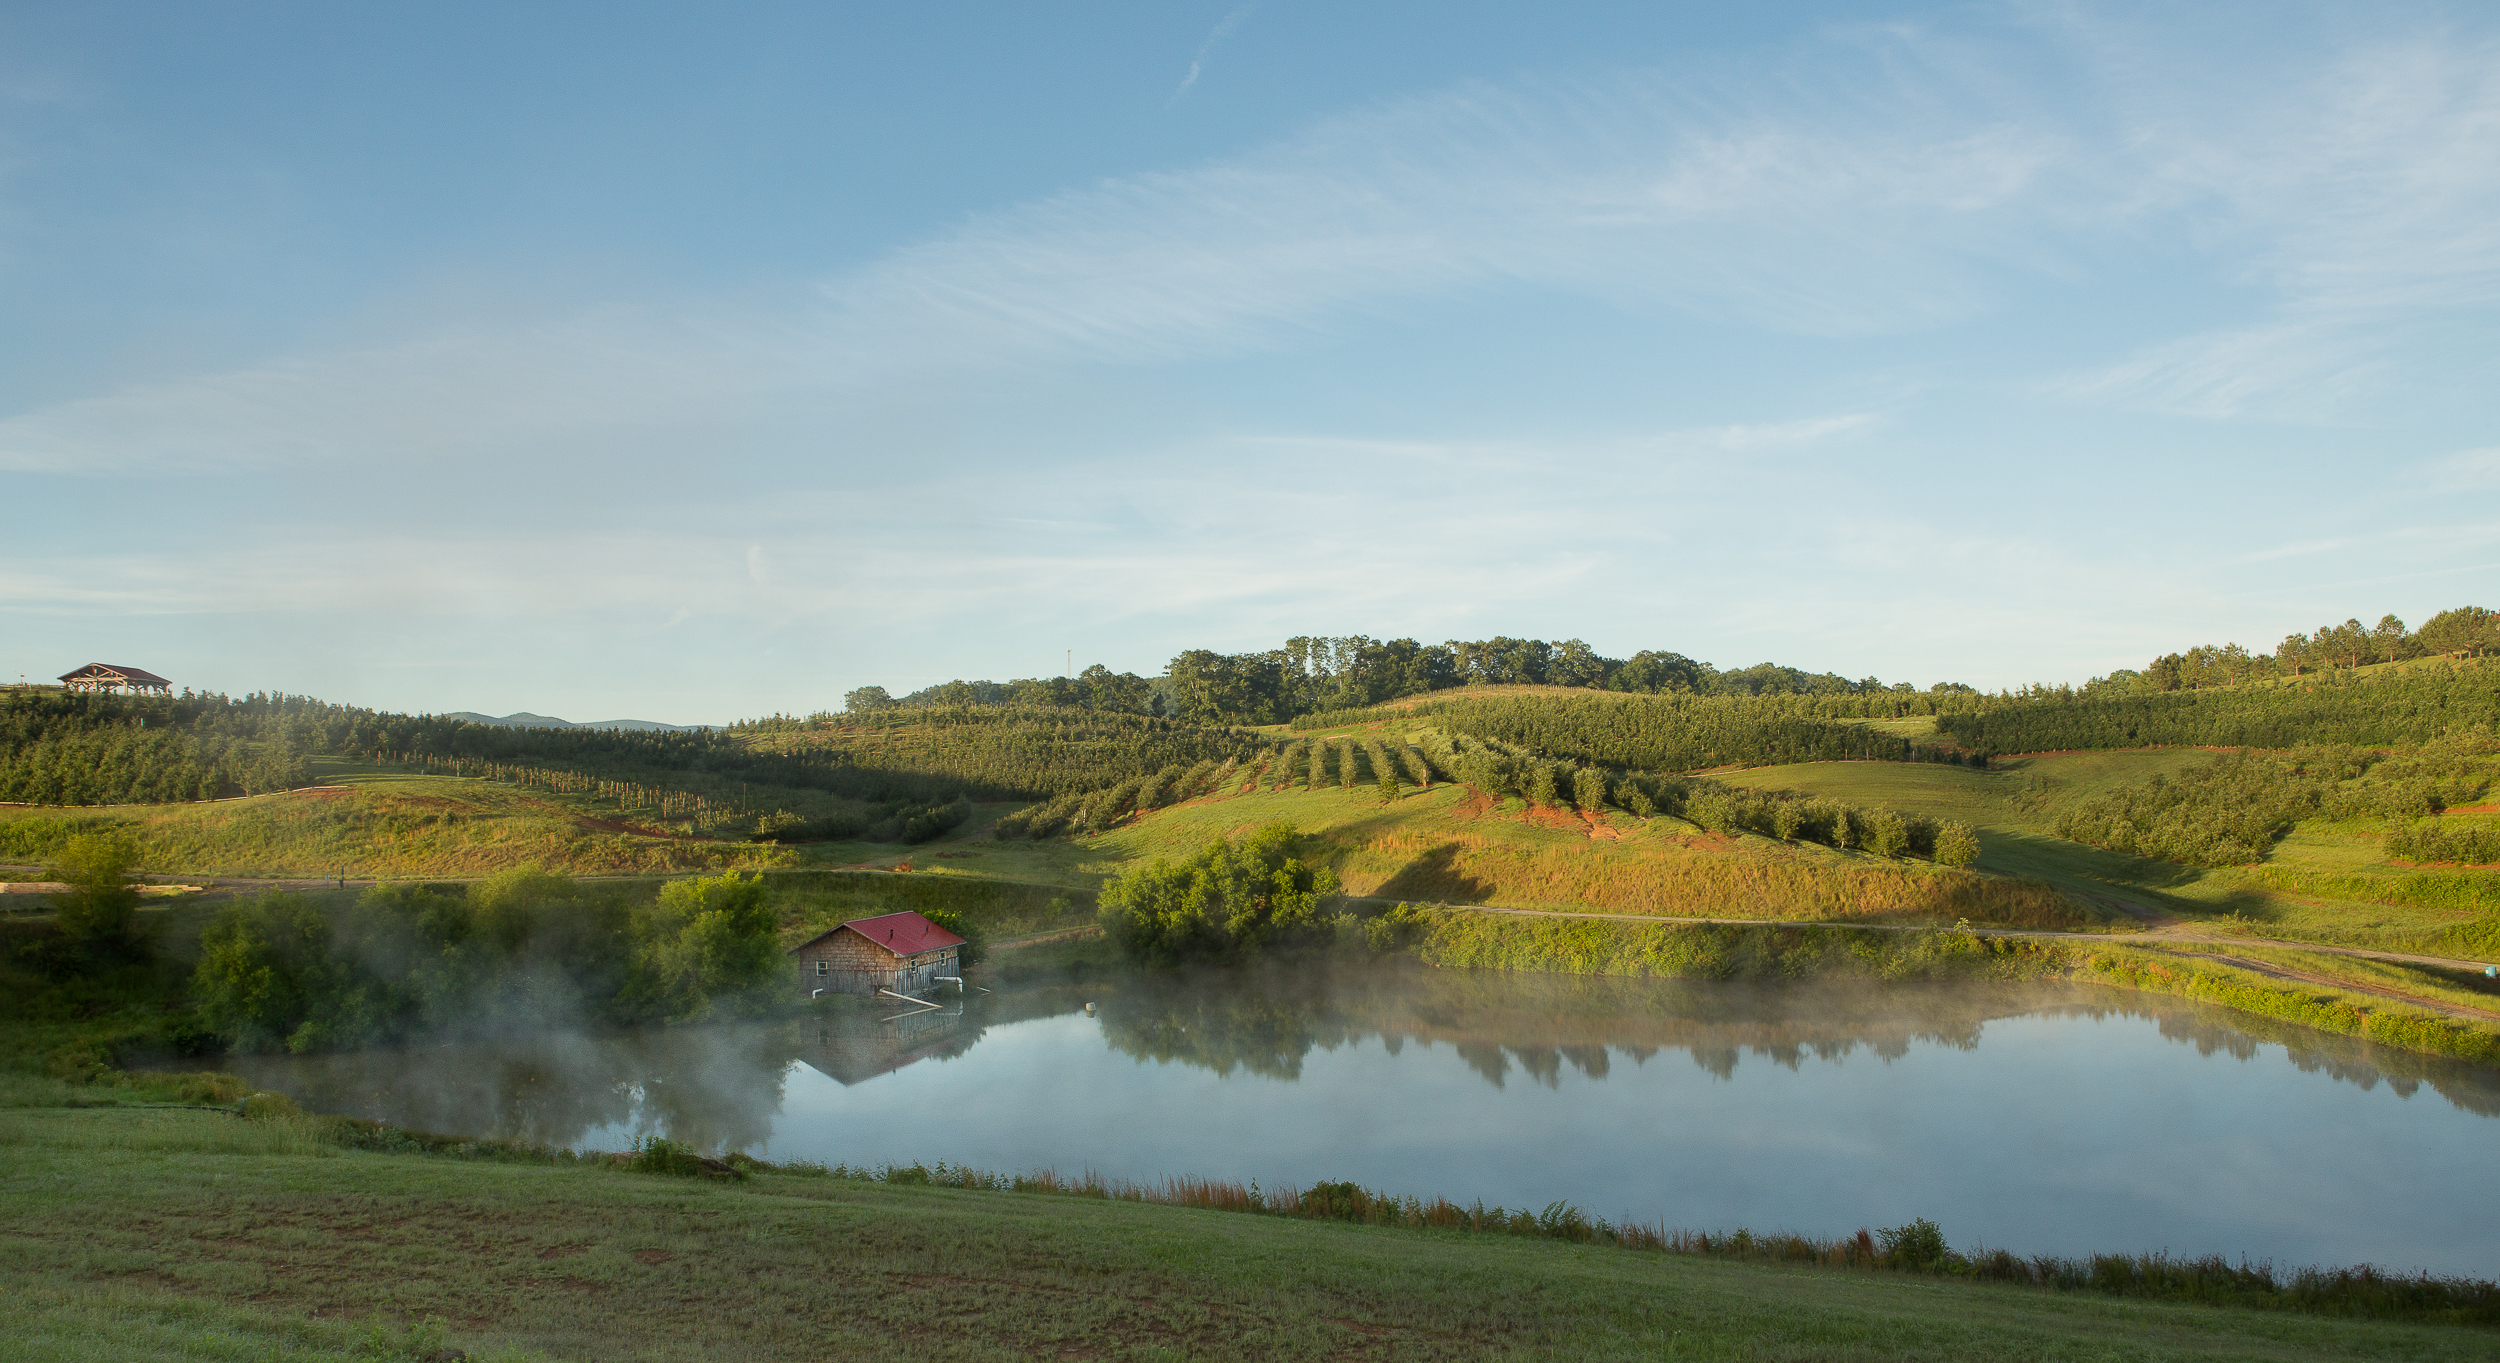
x=2327 y=882
x=138 y=1234
x=375 y=822
x=1447 y=845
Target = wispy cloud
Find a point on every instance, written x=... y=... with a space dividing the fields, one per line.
x=1223 y=29
x=1873 y=182
x=2360 y=196
x=2467 y=471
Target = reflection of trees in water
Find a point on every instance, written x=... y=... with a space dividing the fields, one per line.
x=2350 y=1059
x=1210 y=1022
x=713 y=1087
x=721 y=1087
x=1266 y=1021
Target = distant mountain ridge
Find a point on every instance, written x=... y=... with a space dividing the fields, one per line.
x=525 y=720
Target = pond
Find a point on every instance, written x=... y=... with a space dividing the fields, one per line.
x=2059 y=1120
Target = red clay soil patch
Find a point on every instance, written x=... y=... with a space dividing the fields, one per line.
x=1598 y=828
x=2474 y=809
x=1556 y=816
x=1475 y=806
x=652 y=1256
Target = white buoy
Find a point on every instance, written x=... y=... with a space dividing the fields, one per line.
x=1089 y=1010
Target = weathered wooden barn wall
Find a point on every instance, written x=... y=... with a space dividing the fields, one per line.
x=843 y=962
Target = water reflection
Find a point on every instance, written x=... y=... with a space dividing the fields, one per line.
x=2051 y=1120
x=720 y=1088
x=724 y=1087
x=1532 y=1027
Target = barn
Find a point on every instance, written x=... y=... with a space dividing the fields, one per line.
x=114 y=677
x=903 y=952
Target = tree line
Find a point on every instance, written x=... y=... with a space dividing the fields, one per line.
x=522 y=949
x=82 y=748
x=2373 y=709
x=2465 y=632
x=913 y=776
x=1310 y=673
x=2231 y=810
x=1665 y=733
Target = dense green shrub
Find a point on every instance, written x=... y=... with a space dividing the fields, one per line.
x=2233 y=809
x=1230 y=900
x=522 y=948
x=2440 y=840
x=98 y=915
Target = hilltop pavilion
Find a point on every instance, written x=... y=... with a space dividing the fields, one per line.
x=114 y=677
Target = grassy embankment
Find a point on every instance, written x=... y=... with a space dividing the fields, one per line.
x=137 y=1234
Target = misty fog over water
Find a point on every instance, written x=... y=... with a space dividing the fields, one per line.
x=2043 y=1119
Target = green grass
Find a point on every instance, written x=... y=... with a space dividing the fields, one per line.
x=2326 y=882
x=143 y=1235
x=1447 y=846
x=378 y=822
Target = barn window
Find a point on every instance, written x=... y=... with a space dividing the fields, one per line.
x=820 y=968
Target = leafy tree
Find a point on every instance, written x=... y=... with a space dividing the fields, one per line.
x=1786 y=819
x=711 y=947
x=522 y=948
x=1918 y=1246
x=2467 y=631
x=1956 y=845
x=1230 y=900
x=866 y=700
x=99 y=912
x=1576 y=664
x=1588 y=790
x=2388 y=639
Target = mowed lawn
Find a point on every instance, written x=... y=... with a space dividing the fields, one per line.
x=136 y=1234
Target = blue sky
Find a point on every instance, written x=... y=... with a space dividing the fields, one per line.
x=601 y=360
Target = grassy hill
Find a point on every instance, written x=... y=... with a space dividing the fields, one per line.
x=373 y=822
x=2328 y=881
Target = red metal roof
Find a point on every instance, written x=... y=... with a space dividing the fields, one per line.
x=905 y=933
